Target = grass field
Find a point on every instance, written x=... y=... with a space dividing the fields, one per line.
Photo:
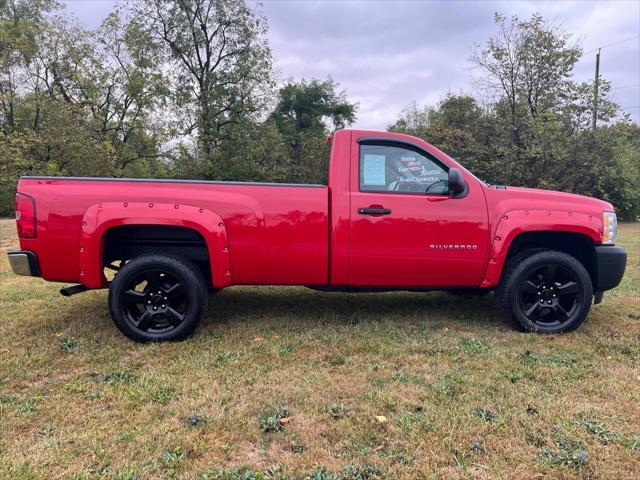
x=391 y=385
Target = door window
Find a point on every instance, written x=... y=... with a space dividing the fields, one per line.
x=387 y=168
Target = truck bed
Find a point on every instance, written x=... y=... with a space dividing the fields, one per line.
x=277 y=233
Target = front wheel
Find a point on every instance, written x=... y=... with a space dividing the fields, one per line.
x=157 y=298
x=546 y=292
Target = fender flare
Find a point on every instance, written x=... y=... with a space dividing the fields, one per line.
x=100 y=217
x=516 y=222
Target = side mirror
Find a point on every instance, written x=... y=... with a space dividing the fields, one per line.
x=456 y=182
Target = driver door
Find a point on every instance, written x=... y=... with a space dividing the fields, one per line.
x=406 y=231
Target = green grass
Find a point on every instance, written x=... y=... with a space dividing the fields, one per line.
x=463 y=395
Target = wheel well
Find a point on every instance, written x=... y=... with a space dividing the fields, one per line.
x=575 y=244
x=129 y=241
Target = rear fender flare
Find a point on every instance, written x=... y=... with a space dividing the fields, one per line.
x=100 y=217
x=515 y=222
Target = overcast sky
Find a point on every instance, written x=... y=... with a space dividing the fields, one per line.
x=387 y=53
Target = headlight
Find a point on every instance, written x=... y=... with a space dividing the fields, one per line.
x=609 y=228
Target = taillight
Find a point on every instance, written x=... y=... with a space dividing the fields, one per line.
x=25 y=216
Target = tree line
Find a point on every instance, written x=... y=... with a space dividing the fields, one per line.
x=186 y=89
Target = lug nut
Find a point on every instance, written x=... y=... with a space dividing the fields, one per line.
x=549 y=302
x=155 y=308
x=541 y=301
x=554 y=295
x=539 y=293
x=149 y=302
x=163 y=306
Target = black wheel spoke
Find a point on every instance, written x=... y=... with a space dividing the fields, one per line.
x=560 y=313
x=529 y=287
x=145 y=320
x=131 y=297
x=175 y=291
x=569 y=288
x=175 y=318
x=533 y=311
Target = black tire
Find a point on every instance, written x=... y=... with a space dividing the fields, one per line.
x=545 y=291
x=157 y=298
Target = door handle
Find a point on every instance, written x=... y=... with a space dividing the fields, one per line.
x=374 y=211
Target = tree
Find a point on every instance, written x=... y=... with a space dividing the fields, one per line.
x=528 y=64
x=220 y=59
x=413 y=120
x=301 y=112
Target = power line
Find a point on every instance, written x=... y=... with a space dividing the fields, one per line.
x=626 y=86
x=629 y=108
x=612 y=44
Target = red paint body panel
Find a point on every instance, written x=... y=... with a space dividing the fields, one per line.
x=397 y=249
x=276 y=234
x=281 y=234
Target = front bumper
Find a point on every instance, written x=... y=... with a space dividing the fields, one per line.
x=24 y=262
x=610 y=264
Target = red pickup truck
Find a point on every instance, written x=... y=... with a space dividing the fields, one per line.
x=396 y=214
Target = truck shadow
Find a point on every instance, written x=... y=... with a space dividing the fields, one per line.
x=299 y=306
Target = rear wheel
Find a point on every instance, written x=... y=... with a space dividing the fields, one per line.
x=157 y=298
x=546 y=292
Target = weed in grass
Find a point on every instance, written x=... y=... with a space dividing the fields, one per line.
x=632 y=442
x=130 y=473
x=461 y=460
x=407 y=378
x=284 y=349
x=27 y=407
x=173 y=459
x=7 y=399
x=563 y=359
x=514 y=377
x=113 y=377
x=227 y=357
x=69 y=344
x=163 y=395
x=564 y=452
x=355 y=472
x=195 y=420
x=215 y=336
x=476 y=447
x=321 y=473
x=336 y=360
x=296 y=445
x=398 y=456
x=484 y=414
x=45 y=431
x=339 y=410
x=472 y=346
x=273 y=422
x=244 y=473
x=449 y=385
x=598 y=429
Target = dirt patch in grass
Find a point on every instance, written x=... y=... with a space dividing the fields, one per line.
x=462 y=394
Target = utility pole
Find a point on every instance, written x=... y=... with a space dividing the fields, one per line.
x=595 y=90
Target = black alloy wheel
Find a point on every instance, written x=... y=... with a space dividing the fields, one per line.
x=157 y=297
x=545 y=291
x=549 y=296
